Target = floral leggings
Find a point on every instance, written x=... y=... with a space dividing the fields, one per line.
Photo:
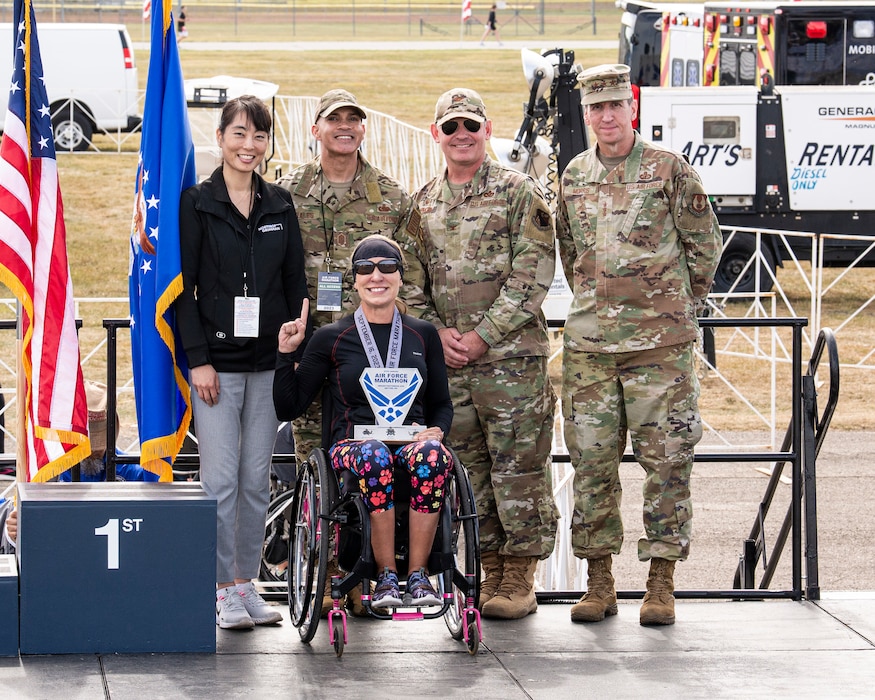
x=374 y=464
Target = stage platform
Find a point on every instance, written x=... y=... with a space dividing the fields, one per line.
x=717 y=649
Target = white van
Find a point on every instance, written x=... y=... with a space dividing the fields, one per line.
x=91 y=79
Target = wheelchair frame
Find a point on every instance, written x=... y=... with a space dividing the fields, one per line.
x=327 y=514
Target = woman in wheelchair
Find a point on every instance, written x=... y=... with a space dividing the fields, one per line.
x=378 y=335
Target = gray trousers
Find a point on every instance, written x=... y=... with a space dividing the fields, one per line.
x=235 y=443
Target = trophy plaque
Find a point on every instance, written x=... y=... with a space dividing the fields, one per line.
x=390 y=393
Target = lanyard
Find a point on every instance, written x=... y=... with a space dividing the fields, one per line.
x=329 y=242
x=249 y=238
x=364 y=329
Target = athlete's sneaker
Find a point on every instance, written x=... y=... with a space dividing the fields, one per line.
x=387 y=594
x=260 y=612
x=230 y=611
x=420 y=589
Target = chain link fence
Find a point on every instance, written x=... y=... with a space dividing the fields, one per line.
x=287 y=20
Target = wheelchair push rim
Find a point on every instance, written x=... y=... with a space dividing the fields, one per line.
x=309 y=550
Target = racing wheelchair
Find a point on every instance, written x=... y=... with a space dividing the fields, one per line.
x=330 y=521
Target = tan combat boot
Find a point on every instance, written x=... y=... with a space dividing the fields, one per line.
x=354 y=602
x=327 y=602
x=658 y=605
x=493 y=570
x=600 y=598
x=515 y=597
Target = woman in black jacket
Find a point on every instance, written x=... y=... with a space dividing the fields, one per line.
x=243 y=275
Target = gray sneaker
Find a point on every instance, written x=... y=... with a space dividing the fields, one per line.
x=257 y=608
x=386 y=594
x=230 y=611
x=420 y=589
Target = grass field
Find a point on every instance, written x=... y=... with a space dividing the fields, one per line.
x=98 y=188
x=373 y=20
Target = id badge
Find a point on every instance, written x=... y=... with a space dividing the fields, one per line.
x=329 y=291
x=246 y=310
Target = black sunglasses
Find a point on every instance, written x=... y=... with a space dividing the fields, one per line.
x=366 y=267
x=450 y=127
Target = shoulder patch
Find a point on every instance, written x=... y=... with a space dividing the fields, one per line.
x=541 y=219
x=699 y=205
x=540 y=226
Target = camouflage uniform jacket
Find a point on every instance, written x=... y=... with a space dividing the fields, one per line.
x=490 y=256
x=375 y=203
x=642 y=243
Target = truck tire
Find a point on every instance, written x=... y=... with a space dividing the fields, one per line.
x=736 y=254
x=72 y=131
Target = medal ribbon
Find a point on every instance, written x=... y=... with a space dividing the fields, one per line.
x=393 y=357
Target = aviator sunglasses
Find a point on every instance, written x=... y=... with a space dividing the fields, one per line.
x=366 y=267
x=450 y=128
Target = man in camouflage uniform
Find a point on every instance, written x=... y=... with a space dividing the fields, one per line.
x=340 y=199
x=490 y=253
x=639 y=238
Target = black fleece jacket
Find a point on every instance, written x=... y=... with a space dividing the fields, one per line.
x=219 y=246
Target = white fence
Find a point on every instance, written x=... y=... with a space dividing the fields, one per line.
x=406 y=152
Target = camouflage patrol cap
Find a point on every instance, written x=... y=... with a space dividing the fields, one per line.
x=459 y=102
x=334 y=100
x=605 y=83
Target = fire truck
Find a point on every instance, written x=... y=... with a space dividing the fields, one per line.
x=748 y=43
x=796 y=159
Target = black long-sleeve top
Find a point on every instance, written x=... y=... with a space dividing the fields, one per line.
x=335 y=354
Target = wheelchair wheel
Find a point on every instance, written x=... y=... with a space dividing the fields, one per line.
x=338 y=641
x=308 y=554
x=473 y=642
x=275 y=550
x=466 y=550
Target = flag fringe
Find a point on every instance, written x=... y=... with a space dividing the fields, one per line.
x=168 y=296
x=15 y=286
x=155 y=453
x=67 y=461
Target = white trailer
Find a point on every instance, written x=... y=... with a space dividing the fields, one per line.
x=796 y=158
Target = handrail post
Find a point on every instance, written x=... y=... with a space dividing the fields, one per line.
x=111 y=326
x=796 y=420
x=812 y=577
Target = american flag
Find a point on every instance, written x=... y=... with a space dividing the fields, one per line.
x=165 y=169
x=33 y=264
x=147 y=9
x=466 y=10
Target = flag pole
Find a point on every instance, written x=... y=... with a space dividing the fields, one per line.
x=22 y=383
x=21 y=395
x=466 y=15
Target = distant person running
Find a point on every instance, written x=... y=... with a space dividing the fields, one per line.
x=491 y=26
x=181 y=31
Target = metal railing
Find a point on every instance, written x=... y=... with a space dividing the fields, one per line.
x=562 y=575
